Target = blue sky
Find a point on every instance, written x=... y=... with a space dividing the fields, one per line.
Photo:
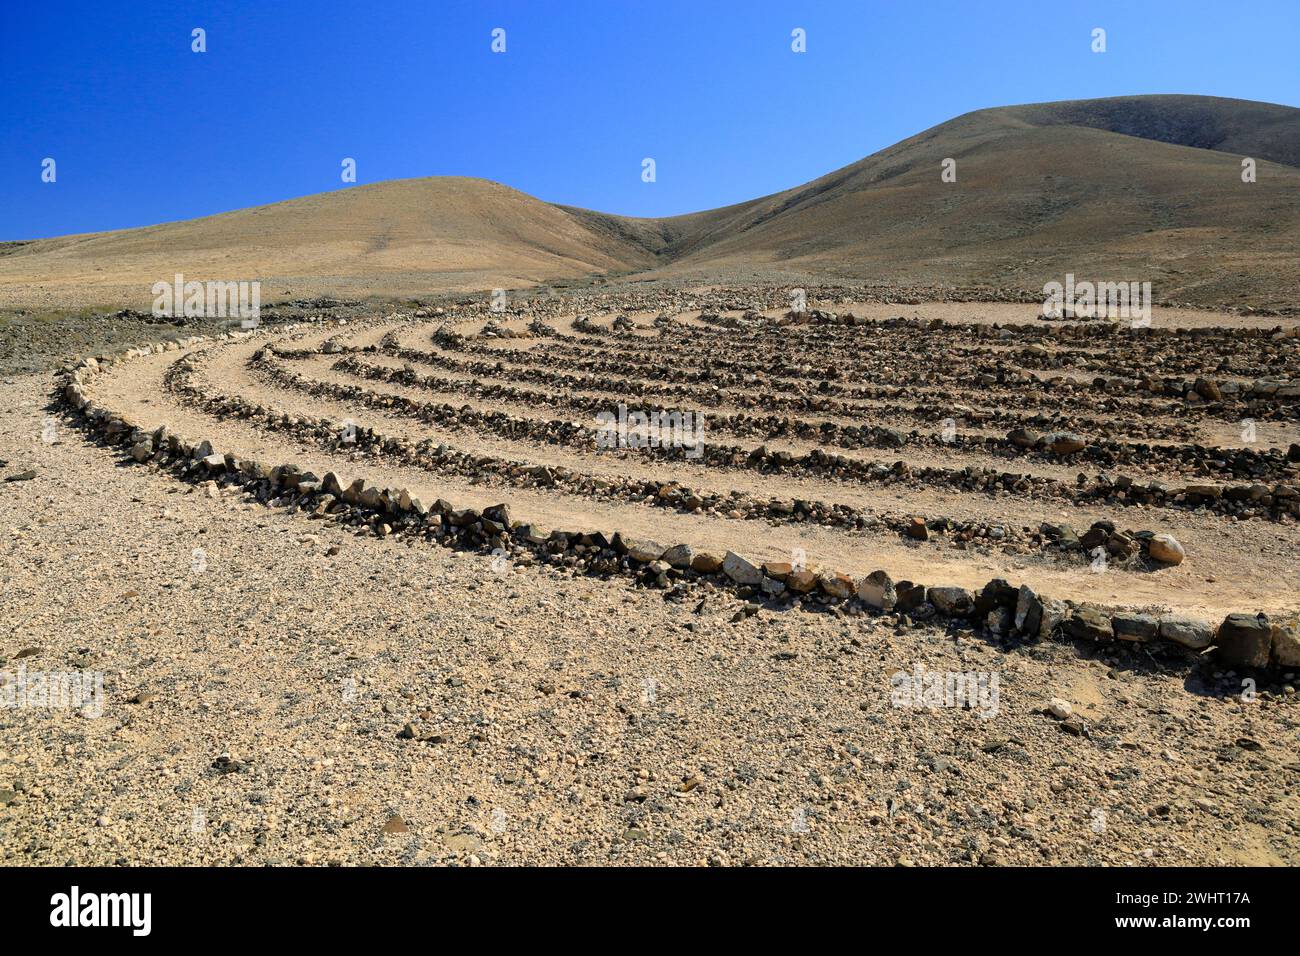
x=143 y=130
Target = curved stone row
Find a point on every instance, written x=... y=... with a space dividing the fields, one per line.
x=1005 y=384
x=1235 y=396
x=1053 y=540
x=1021 y=442
x=707 y=397
x=1125 y=377
x=1240 y=641
x=1245 y=500
x=1187 y=356
x=710 y=397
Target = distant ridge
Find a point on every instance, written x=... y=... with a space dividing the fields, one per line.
x=1135 y=187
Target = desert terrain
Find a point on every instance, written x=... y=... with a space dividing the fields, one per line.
x=375 y=580
x=342 y=683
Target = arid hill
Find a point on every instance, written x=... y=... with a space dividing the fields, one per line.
x=1129 y=188
x=1139 y=188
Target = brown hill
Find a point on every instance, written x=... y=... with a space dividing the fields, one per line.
x=1136 y=188
x=1129 y=188
x=401 y=236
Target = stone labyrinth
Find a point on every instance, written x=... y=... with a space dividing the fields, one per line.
x=1078 y=480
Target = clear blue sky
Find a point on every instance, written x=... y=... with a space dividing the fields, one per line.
x=145 y=131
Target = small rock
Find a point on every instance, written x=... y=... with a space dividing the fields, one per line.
x=877 y=590
x=836 y=585
x=706 y=563
x=462 y=843
x=1188 y=632
x=1090 y=624
x=1060 y=709
x=801 y=582
x=1244 y=640
x=1166 y=549
x=1286 y=645
x=680 y=556
x=954 y=602
x=1066 y=443
x=740 y=570
x=1135 y=627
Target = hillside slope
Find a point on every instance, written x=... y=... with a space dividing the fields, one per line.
x=1143 y=188
x=403 y=235
x=1044 y=190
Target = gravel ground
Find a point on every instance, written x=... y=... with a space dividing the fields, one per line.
x=280 y=691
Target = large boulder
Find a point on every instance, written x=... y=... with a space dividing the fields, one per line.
x=1244 y=640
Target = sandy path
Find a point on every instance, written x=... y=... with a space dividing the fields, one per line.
x=1254 y=556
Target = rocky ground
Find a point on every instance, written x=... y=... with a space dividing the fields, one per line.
x=287 y=686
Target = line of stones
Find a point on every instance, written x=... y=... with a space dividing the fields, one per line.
x=819 y=322
x=1030 y=354
x=1242 y=640
x=711 y=397
x=1124 y=546
x=1006 y=384
x=180 y=378
x=1206 y=461
x=1247 y=500
x=767 y=399
x=1020 y=442
x=1263 y=397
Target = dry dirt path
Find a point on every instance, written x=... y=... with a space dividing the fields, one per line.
x=251 y=710
x=1251 y=555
